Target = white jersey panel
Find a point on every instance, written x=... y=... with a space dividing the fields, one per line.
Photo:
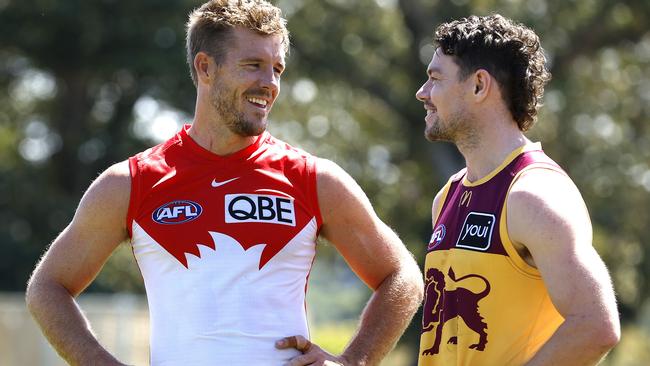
x=222 y=307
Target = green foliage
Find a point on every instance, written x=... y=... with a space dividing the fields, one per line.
x=120 y=272
x=333 y=337
x=83 y=83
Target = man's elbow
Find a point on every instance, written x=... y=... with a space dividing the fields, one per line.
x=33 y=294
x=38 y=293
x=414 y=282
x=609 y=334
x=605 y=334
x=418 y=284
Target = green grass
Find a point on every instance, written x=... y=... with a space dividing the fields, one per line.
x=333 y=337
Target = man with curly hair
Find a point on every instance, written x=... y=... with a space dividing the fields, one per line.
x=512 y=276
x=223 y=220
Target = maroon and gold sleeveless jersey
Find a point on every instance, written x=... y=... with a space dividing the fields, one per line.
x=484 y=305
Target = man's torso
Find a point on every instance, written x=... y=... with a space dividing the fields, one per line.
x=225 y=246
x=484 y=305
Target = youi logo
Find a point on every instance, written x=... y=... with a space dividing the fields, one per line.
x=177 y=212
x=477 y=230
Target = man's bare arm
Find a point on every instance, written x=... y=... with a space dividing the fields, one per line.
x=547 y=215
x=378 y=257
x=72 y=262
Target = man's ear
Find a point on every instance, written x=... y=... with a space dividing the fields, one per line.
x=482 y=82
x=202 y=62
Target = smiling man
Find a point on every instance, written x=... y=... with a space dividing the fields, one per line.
x=511 y=275
x=223 y=220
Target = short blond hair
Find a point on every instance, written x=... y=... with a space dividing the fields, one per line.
x=209 y=28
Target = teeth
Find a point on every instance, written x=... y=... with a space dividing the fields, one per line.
x=257 y=101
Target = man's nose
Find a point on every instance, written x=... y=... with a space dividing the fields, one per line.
x=422 y=93
x=271 y=80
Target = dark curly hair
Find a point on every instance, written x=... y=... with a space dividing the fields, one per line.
x=510 y=52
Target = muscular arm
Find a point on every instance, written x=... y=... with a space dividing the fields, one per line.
x=547 y=215
x=72 y=262
x=378 y=257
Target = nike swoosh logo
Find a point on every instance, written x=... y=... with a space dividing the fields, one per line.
x=216 y=184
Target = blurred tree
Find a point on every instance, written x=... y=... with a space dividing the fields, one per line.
x=86 y=84
x=72 y=73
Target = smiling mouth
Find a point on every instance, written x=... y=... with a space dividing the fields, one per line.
x=430 y=108
x=260 y=103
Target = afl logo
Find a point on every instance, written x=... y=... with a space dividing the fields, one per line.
x=437 y=236
x=177 y=212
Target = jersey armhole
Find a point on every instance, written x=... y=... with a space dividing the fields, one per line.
x=445 y=192
x=135 y=194
x=312 y=191
x=515 y=258
x=441 y=203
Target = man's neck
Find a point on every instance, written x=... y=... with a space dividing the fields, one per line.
x=217 y=138
x=490 y=150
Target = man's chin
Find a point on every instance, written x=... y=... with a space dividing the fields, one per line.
x=431 y=135
x=434 y=136
x=251 y=129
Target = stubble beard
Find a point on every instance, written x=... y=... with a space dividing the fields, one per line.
x=233 y=119
x=440 y=130
x=457 y=129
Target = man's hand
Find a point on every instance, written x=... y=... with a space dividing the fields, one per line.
x=312 y=354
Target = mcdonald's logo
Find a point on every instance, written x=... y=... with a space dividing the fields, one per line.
x=465 y=199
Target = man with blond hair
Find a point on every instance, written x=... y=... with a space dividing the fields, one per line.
x=223 y=220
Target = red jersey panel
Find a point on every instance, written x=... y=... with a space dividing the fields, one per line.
x=225 y=246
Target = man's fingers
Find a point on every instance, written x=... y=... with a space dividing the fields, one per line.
x=306 y=346
x=312 y=353
x=307 y=359
x=298 y=342
x=287 y=342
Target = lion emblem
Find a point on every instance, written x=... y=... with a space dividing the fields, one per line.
x=441 y=305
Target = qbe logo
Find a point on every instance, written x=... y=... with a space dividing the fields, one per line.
x=177 y=212
x=259 y=208
x=476 y=232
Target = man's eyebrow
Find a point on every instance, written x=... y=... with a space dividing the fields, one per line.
x=259 y=60
x=251 y=59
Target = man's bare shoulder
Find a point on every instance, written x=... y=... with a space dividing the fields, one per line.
x=541 y=187
x=545 y=206
x=118 y=174
x=113 y=183
x=333 y=181
x=108 y=196
x=328 y=171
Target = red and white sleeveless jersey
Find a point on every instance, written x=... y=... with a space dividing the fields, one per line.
x=225 y=246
